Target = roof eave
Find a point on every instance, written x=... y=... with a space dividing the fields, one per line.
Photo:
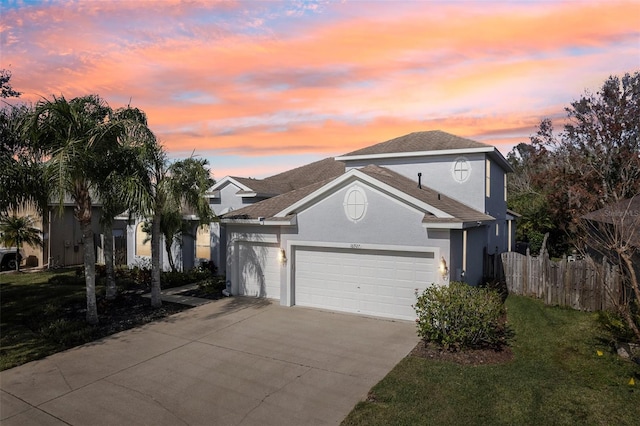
x=455 y=225
x=289 y=221
x=364 y=177
x=416 y=153
x=490 y=150
x=254 y=194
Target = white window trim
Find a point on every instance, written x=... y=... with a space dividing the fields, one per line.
x=488 y=177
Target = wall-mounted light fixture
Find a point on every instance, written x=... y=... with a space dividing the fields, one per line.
x=444 y=270
x=282 y=256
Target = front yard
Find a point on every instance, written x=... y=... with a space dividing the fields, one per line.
x=42 y=313
x=556 y=377
x=562 y=371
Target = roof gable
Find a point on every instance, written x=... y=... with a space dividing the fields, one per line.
x=437 y=207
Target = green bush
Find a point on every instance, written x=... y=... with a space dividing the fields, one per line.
x=459 y=316
x=66 y=333
x=616 y=327
x=176 y=279
x=535 y=242
x=213 y=285
x=67 y=280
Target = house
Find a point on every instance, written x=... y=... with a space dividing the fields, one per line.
x=363 y=232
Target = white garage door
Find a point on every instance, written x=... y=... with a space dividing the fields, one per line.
x=372 y=282
x=259 y=270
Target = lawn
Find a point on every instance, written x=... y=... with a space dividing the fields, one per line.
x=42 y=313
x=556 y=377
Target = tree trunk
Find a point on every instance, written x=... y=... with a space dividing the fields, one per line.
x=17 y=254
x=108 y=261
x=82 y=212
x=635 y=287
x=168 y=245
x=90 y=272
x=156 y=301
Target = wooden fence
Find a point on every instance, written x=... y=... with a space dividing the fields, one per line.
x=580 y=284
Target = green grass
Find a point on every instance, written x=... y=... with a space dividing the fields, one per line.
x=27 y=301
x=555 y=378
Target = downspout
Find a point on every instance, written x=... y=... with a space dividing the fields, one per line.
x=464 y=253
x=49 y=241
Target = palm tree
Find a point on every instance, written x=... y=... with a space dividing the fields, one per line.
x=175 y=187
x=80 y=137
x=125 y=179
x=19 y=230
x=21 y=180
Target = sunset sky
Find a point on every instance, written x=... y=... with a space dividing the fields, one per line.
x=259 y=87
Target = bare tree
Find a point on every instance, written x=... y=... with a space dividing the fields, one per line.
x=614 y=232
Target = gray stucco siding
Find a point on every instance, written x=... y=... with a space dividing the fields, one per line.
x=496 y=205
x=65 y=237
x=228 y=199
x=437 y=173
x=386 y=221
x=476 y=241
x=260 y=236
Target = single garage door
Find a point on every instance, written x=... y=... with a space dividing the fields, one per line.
x=372 y=282
x=259 y=270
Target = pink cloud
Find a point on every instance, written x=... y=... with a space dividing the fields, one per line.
x=223 y=76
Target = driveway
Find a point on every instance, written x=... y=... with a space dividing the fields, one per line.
x=235 y=361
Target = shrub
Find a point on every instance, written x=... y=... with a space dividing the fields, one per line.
x=213 y=285
x=459 y=316
x=67 y=280
x=66 y=333
x=616 y=327
x=176 y=279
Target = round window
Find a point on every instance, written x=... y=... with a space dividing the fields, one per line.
x=461 y=169
x=355 y=204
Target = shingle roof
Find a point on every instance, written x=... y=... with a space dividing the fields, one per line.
x=299 y=177
x=460 y=212
x=433 y=140
x=624 y=214
x=271 y=206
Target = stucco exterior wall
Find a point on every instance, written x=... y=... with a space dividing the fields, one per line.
x=437 y=173
x=225 y=202
x=259 y=234
x=476 y=240
x=386 y=222
x=65 y=236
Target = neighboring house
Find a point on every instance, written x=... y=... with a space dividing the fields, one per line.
x=363 y=232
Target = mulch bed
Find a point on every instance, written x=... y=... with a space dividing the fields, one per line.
x=128 y=310
x=464 y=357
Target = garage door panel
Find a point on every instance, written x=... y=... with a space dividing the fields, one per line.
x=373 y=282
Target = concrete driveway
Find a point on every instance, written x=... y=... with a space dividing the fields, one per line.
x=236 y=361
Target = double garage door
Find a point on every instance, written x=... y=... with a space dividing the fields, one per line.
x=371 y=282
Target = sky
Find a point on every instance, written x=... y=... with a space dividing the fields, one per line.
x=259 y=87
